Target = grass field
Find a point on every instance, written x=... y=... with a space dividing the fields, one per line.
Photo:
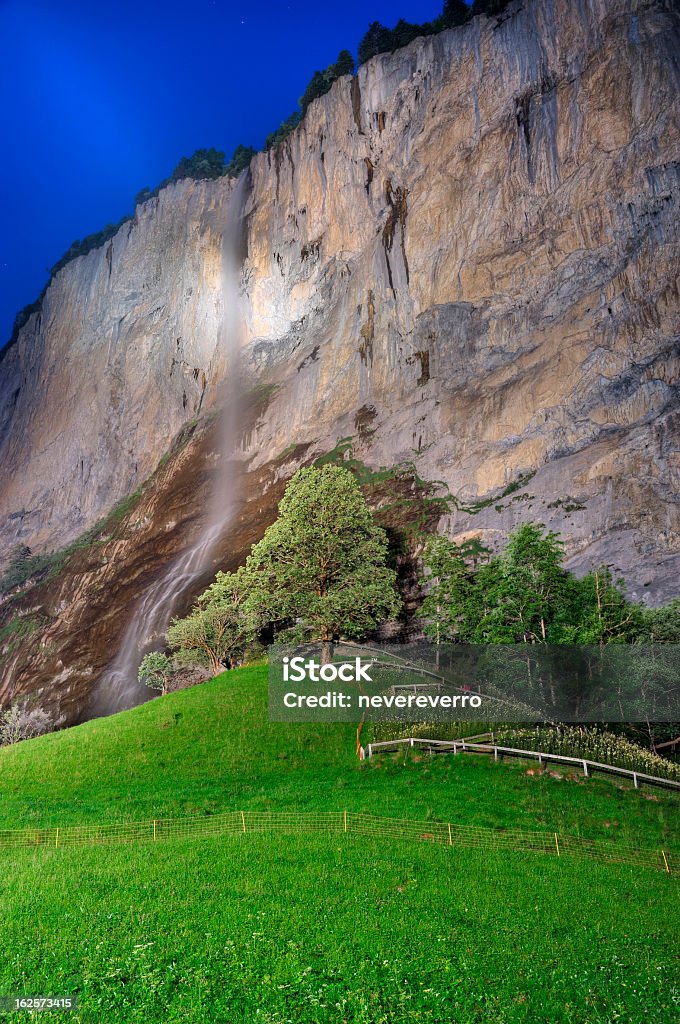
x=322 y=928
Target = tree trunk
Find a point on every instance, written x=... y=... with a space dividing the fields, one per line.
x=326 y=650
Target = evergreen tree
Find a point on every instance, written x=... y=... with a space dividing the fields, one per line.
x=378 y=39
x=318 y=85
x=404 y=33
x=204 y=163
x=488 y=7
x=284 y=129
x=455 y=12
x=344 y=65
x=241 y=158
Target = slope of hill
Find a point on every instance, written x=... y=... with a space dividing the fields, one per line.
x=211 y=749
x=321 y=928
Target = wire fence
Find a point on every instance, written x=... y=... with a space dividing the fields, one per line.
x=469 y=746
x=340 y=823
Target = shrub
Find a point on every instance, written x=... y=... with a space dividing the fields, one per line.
x=18 y=722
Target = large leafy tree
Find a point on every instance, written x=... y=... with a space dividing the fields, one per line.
x=322 y=566
x=595 y=610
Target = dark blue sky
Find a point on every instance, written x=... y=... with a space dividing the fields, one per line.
x=99 y=100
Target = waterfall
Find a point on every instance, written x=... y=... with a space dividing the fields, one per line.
x=118 y=687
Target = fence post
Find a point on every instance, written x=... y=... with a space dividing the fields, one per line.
x=635 y=781
x=585 y=769
x=450 y=839
x=56 y=839
x=557 y=845
x=663 y=854
x=344 y=818
x=243 y=820
x=370 y=752
x=154 y=830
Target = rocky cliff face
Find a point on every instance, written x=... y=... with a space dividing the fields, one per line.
x=466 y=258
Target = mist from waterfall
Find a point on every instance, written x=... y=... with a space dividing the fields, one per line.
x=118 y=687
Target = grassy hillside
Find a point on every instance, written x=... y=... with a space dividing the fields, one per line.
x=322 y=928
x=211 y=749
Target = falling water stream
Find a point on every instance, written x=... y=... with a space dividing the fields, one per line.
x=118 y=687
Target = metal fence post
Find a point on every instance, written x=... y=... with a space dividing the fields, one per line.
x=345 y=820
x=557 y=845
x=154 y=830
x=663 y=854
x=243 y=820
x=450 y=839
x=56 y=838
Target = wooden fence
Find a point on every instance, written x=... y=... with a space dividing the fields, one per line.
x=235 y=823
x=471 y=745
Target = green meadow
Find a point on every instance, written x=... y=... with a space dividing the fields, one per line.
x=324 y=927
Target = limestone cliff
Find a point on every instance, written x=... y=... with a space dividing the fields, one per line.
x=466 y=258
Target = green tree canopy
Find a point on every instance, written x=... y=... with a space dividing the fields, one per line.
x=241 y=158
x=156 y=671
x=204 y=163
x=526 y=595
x=660 y=625
x=323 y=564
x=322 y=81
x=219 y=627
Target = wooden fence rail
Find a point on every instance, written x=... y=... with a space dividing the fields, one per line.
x=235 y=823
x=468 y=745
